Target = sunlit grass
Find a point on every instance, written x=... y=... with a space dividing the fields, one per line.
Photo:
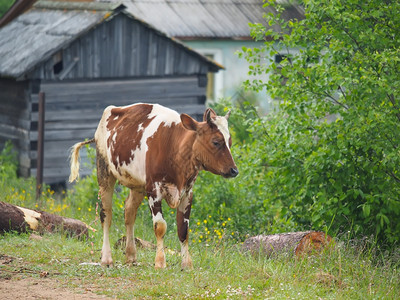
x=221 y=271
x=351 y=270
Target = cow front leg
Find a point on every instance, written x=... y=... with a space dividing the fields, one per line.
x=160 y=228
x=132 y=204
x=182 y=221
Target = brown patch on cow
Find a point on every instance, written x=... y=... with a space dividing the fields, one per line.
x=125 y=136
x=183 y=227
x=102 y=213
x=169 y=150
x=160 y=228
x=102 y=169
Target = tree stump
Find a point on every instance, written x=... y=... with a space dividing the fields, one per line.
x=19 y=219
x=297 y=243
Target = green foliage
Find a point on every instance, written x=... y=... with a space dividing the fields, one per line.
x=8 y=158
x=5 y=5
x=12 y=189
x=332 y=150
x=247 y=204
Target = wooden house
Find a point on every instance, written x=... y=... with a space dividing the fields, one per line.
x=217 y=29
x=85 y=56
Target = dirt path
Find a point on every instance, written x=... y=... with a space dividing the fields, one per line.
x=41 y=288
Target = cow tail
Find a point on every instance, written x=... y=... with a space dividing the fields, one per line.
x=74 y=159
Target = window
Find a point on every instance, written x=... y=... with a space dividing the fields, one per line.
x=214 y=88
x=210 y=91
x=58 y=65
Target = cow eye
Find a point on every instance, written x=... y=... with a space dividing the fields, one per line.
x=216 y=144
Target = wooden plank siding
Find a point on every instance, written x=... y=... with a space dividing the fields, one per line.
x=15 y=119
x=73 y=110
x=122 y=47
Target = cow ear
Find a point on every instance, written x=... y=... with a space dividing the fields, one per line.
x=208 y=115
x=188 y=122
x=228 y=114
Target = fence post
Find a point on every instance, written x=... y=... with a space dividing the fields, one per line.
x=40 y=144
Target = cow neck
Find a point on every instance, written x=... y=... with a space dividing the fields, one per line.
x=187 y=164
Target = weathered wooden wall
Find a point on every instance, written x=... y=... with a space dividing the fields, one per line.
x=73 y=110
x=15 y=111
x=122 y=47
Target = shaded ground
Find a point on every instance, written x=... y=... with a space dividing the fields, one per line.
x=18 y=282
x=29 y=288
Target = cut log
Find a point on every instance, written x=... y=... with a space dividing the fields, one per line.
x=298 y=243
x=19 y=219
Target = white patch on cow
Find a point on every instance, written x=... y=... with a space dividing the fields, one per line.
x=186 y=260
x=158 y=218
x=140 y=127
x=151 y=202
x=158 y=191
x=222 y=125
x=116 y=118
x=164 y=114
x=102 y=134
x=184 y=204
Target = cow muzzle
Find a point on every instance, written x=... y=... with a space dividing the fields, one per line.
x=233 y=172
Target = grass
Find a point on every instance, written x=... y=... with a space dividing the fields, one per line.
x=350 y=270
x=221 y=271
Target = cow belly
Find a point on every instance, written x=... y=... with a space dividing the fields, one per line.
x=132 y=175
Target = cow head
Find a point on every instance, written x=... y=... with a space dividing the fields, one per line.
x=211 y=147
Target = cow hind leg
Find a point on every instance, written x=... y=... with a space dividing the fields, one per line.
x=132 y=204
x=106 y=188
x=160 y=228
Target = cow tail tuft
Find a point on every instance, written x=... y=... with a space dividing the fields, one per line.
x=74 y=159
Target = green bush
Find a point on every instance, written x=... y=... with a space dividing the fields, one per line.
x=5 y=6
x=332 y=150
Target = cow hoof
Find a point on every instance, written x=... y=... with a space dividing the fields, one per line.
x=108 y=265
x=187 y=265
x=132 y=262
x=160 y=265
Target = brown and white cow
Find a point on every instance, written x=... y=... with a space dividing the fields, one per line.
x=157 y=153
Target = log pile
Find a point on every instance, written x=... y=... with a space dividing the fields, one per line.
x=298 y=243
x=19 y=219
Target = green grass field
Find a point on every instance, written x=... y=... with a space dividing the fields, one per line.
x=353 y=269
x=221 y=270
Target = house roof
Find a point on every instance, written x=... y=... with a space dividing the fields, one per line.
x=36 y=35
x=197 y=19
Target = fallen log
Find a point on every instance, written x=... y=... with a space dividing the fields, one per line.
x=298 y=243
x=19 y=219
